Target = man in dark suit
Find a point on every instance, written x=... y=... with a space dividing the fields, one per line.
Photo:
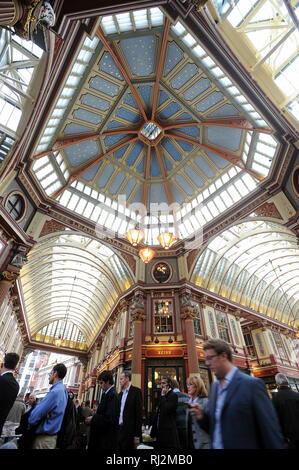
x=286 y=404
x=164 y=424
x=130 y=418
x=104 y=424
x=240 y=414
x=9 y=387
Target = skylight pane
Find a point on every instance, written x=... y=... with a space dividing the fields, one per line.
x=219 y=204
x=270 y=151
x=73 y=202
x=262 y=159
x=65 y=198
x=124 y=21
x=259 y=169
x=189 y=40
x=140 y=18
x=234 y=193
x=208 y=62
x=208 y=216
x=199 y=51
x=178 y=28
x=217 y=72
x=249 y=181
x=95 y=214
x=241 y=187
x=108 y=24
x=156 y=16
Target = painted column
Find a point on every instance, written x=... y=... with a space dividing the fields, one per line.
x=188 y=316
x=138 y=316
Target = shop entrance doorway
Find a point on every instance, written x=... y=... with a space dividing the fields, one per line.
x=155 y=370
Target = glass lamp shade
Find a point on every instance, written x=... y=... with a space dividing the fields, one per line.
x=135 y=236
x=146 y=254
x=58 y=341
x=166 y=240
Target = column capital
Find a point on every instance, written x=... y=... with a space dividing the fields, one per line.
x=188 y=315
x=8 y=276
x=138 y=315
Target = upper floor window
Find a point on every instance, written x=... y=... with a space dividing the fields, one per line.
x=222 y=326
x=163 y=316
x=249 y=344
x=197 y=320
x=15 y=206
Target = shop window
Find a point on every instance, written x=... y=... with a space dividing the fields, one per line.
x=222 y=326
x=163 y=316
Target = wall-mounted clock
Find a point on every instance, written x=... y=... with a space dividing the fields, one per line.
x=161 y=272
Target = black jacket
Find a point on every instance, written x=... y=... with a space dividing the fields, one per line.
x=132 y=418
x=9 y=389
x=104 y=424
x=286 y=404
x=164 y=423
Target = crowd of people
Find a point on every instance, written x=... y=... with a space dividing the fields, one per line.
x=237 y=414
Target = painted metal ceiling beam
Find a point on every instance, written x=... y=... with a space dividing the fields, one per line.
x=147 y=172
x=160 y=66
x=88 y=165
x=110 y=46
x=236 y=123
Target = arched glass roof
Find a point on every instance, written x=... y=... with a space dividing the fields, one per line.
x=70 y=284
x=19 y=60
x=256 y=264
x=270 y=28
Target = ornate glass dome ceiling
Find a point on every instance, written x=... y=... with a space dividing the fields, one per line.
x=147 y=126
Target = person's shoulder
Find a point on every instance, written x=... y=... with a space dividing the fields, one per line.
x=135 y=389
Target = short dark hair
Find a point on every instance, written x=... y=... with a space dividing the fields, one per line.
x=168 y=380
x=219 y=347
x=106 y=376
x=61 y=370
x=87 y=403
x=11 y=360
x=175 y=384
x=127 y=373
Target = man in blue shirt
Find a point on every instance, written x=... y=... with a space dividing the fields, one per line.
x=240 y=414
x=48 y=413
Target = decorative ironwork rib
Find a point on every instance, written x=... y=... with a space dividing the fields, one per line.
x=147 y=170
x=234 y=123
x=63 y=143
x=163 y=171
x=88 y=165
x=234 y=159
x=160 y=66
x=110 y=46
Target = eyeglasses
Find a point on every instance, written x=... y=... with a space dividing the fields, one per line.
x=209 y=358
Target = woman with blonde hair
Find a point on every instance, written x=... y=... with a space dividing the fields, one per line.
x=197 y=437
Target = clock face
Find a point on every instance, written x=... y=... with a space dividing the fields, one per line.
x=161 y=272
